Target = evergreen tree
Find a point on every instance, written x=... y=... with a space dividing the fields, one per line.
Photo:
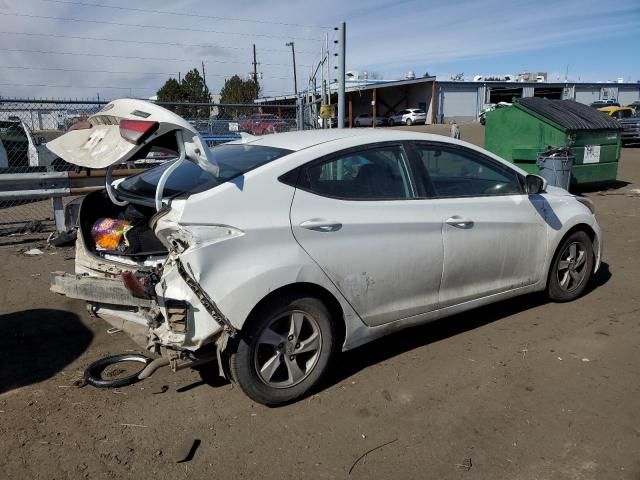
x=236 y=90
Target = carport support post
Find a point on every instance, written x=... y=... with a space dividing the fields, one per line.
x=433 y=102
x=350 y=112
x=373 y=108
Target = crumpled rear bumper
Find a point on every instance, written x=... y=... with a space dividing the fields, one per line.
x=96 y=289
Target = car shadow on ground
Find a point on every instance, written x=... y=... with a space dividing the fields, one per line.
x=353 y=361
x=37 y=344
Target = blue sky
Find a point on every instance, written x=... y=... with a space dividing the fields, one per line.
x=119 y=48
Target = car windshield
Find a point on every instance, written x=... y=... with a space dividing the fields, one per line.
x=233 y=161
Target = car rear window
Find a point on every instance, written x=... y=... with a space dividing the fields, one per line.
x=233 y=161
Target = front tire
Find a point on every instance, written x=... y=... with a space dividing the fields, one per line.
x=285 y=351
x=571 y=269
x=391 y=122
x=409 y=122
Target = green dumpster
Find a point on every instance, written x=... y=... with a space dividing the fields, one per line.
x=519 y=133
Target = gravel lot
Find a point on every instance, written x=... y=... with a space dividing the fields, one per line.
x=523 y=389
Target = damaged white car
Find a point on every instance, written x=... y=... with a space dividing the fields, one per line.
x=272 y=254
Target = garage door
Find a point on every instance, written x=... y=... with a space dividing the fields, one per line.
x=459 y=104
x=628 y=95
x=587 y=95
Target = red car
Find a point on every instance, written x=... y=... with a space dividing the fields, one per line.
x=264 y=123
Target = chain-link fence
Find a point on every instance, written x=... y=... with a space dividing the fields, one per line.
x=27 y=125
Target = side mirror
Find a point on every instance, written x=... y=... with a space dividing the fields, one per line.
x=41 y=140
x=535 y=184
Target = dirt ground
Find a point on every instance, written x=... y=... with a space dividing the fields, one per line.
x=524 y=389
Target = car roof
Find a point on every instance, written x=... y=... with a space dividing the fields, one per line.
x=299 y=140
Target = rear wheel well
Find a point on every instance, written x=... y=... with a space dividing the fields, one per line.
x=304 y=289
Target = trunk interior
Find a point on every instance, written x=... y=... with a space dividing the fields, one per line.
x=138 y=242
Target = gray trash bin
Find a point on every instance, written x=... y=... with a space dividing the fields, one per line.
x=555 y=166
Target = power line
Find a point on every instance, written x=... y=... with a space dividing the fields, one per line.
x=183 y=60
x=148 y=42
x=84 y=86
x=71 y=86
x=193 y=15
x=20 y=67
x=114 y=72
x=163 y=27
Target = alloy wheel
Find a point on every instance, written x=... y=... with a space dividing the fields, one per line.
x=288 y=349
x=572 y=266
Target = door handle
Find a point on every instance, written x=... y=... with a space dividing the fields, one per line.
x=459 y=222
x=321 y=225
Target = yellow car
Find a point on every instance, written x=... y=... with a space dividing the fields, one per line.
x=618 y=112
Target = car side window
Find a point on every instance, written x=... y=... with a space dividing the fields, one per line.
x=374 y=174
x=454 y=172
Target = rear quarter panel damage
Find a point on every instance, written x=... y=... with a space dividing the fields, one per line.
x=239 y=272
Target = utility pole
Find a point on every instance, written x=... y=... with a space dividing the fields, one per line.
x=255 y=71
x=204 y=79
x=295 y=85
x=342 y=53
x=255 y=65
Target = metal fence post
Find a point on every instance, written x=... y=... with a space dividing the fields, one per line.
x=58 y=213
x=341 y=72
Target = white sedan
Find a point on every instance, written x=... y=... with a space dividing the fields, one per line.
x=278 y=252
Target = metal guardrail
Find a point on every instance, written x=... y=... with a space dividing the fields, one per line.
x=55 y=185
x=33 y=186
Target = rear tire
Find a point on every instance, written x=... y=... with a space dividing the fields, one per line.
x=571 y=268
x=391 y=122
x=284 y=351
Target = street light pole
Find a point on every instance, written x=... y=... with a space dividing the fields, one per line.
x=295 y=86
x=295 y=78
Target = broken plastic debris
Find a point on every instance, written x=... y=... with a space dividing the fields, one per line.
x=33 y=251
x=585 y=359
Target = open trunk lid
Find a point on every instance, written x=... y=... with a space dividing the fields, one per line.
x=123 y=128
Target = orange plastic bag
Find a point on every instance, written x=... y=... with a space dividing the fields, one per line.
x=108 y=233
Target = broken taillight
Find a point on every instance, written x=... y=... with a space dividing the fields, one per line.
x=136 y=131
x=134 y=285
x=80 y=126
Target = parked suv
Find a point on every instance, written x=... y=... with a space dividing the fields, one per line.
x=408 y=116
x=631 y=126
